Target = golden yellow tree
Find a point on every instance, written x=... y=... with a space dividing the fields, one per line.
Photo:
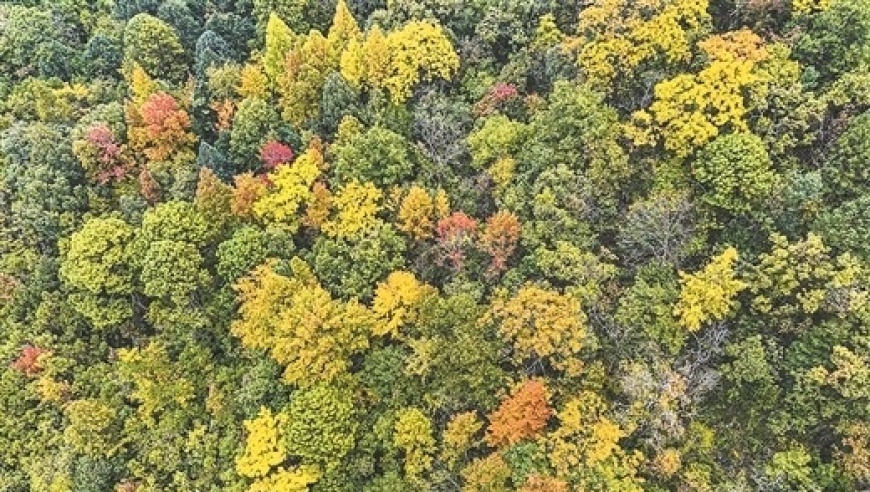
x=292 y=189
x=356 y=210
x=709 y=295
x=419 y=51
x=541 y=324
x=299 y=324
x=396 y=302
x=419 y=211
x=692 y=109
x=617 y=37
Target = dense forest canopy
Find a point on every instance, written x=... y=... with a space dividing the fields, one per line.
x=434 y=245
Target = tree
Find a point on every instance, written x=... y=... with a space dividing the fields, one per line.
x=299 y=324
x=542 y=325
x=794 y=283
x=320 y=426
x=300 y=85
x=160 y=129
x=279 y=42
x=154 y=45
x=419 y=211
x=255 y=123
x=835 y=40
x=377 y=155
x=98 y=266
x=454 y=235
x=413 y=435
x=291 y=189
x=396 y=302
x=691 y=110
x=419 y=51
x=621 y=42
x=521 y=416
x=342 y=32
x=735 y=173
x=844 y=174
x=357 y=206
x=709 y=295
x=351 y=267
x=499 y=239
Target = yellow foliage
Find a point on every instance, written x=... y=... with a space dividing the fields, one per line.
x=618 y=36
x=357 y=206
x=344 y=30
x=419 y=210
x=264 y=448
x=141 y=85
x=709 y=295
x=353 y=64
x=299 y=324
x=458 y=437
x=377 y=58
x=542 y=323
x=291 y=190
x=253 y=83
x=419 y=51
x=286 y=480
x=488 y=474
x=803 y=7
x=585 y=436
x=396 y=301
x=413 y=435
x=690 y=110
x=300 y=85
x=279 y=41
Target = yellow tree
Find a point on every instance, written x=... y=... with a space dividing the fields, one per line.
x=264 y=451
x=413 y=435
x=299 y=324
x=617 y=38
x=292 y=189
x=541 y=324
x=344 y=30
x=356 y=208
x=396 y=302
x=692 y=109
x=586 y=447
x=709 y=295
x=419 y=51
x=279 y=42
x=419 y=211
x=304 y=73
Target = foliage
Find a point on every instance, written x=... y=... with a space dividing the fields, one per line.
x=542 y=324
x=399 y=245
x=521 y=416
x=708 y=295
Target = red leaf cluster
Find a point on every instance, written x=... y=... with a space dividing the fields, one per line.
x=275 y=153
x=455 y=234
x=28 y=360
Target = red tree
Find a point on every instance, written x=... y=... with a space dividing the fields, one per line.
x=28 y=360
x=499 y=239
x=274 y=153
x=455 y=234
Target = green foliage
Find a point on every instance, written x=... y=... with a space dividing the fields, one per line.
x=154 y=45
x=735 y=173
x=320 y=426
x=377 y=155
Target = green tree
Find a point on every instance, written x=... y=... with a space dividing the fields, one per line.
x=155 y=46
x=98 y=267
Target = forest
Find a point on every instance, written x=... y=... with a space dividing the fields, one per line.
x=434 y=245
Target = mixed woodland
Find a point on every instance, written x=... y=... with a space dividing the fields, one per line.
x=434 y=245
